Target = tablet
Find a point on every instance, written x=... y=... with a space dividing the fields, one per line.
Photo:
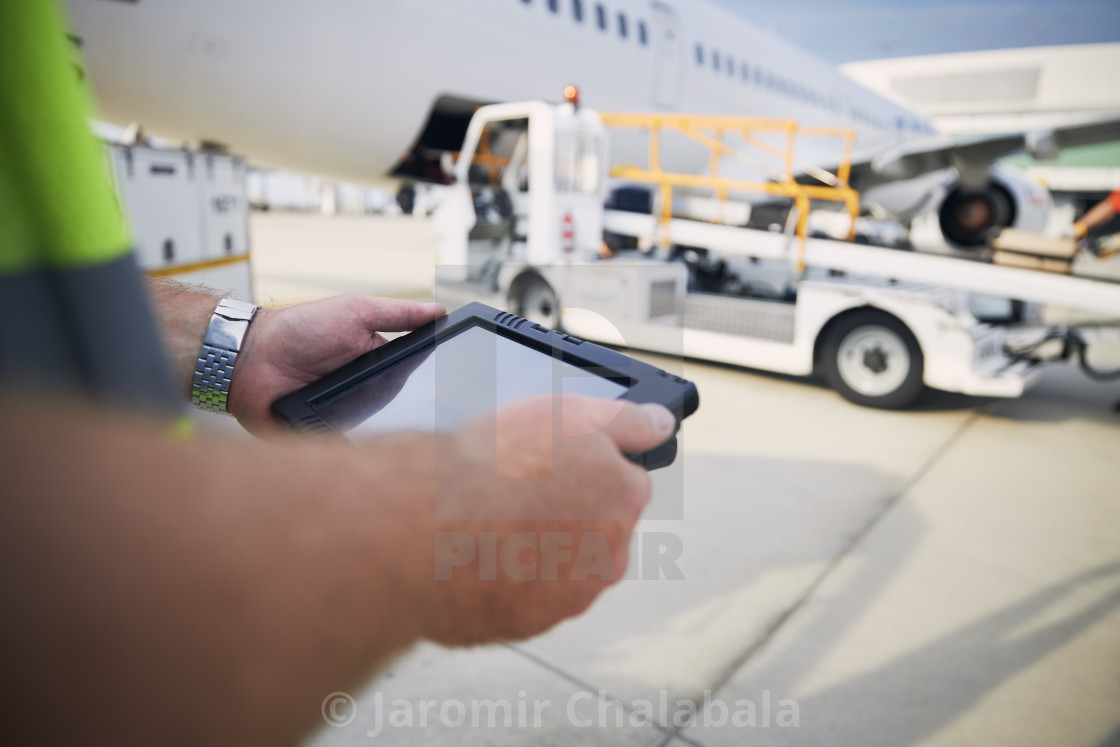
x=468 y=363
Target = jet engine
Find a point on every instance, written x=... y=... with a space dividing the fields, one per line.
x=1009 y=198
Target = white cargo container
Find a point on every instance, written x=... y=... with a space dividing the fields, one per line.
x=189 y=214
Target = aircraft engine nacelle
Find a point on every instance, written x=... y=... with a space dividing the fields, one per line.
x=1010 y=198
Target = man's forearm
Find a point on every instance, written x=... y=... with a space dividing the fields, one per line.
x=1101 y=213
x=207 y=595
x=184 y=314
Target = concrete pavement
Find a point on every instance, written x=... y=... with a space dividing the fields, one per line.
x=946 y=576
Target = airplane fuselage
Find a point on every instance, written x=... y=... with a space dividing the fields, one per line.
x=345 y=88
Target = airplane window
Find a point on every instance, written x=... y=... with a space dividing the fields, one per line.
x=758 y=76
x=577 y=10
x=746 y=73
x=643 y=38
x=699 y=54
x=554 y=5
x=601 y=14
x=622 y=30
x=715 y=59
x=730 y=65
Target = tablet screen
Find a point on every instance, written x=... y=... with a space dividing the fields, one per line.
x=468 y=374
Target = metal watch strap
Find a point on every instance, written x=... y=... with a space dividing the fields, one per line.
x=214 y=371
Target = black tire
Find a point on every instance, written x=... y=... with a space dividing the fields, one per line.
x=857 y=357
x=406 y=199
x=537 y=302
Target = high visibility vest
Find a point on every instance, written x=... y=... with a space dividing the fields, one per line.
x=74 y=313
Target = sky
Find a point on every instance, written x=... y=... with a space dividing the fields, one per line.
x=847 y=30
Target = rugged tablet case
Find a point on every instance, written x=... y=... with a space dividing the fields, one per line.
x=646 y=383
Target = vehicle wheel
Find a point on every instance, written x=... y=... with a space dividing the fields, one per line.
x=872 y=359
x=406 y=199
x=537 y=302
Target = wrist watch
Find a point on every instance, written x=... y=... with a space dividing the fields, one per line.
x=214 y=370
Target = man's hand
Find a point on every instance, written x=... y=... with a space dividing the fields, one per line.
x=534 y=507
x=286 y=349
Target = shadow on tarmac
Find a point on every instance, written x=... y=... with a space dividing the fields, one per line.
x=1062 y=394
x=917 y=695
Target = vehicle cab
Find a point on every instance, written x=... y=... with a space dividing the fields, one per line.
x=528 y=187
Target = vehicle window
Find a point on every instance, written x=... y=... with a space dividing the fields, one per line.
x=715 y=59
x=601 y=15
x=577 y=10
x=622 y=29
x=588 y=169
x=554 y=5
x=643 y=37
x=699 y=54
x=565 y=162
x=492 y=154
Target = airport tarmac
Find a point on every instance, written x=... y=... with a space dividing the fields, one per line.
x=944 y=576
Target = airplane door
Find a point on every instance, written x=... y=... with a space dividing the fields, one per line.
x=669 y=51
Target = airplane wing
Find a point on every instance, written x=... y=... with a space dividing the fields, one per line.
x=973 y=158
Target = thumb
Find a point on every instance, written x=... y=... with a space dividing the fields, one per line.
x=634 y=428
x=392 y=314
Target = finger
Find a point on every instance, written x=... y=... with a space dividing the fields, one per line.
x=638 y=488
x=634 y=428
x=393 y=314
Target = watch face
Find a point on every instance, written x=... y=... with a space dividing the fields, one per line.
x=231 y=308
